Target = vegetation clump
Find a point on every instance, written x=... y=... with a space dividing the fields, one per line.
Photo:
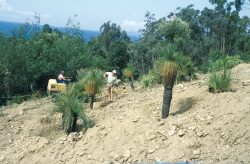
x=129 y=74
x=72 y=109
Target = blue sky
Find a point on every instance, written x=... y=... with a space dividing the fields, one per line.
x=91 y=14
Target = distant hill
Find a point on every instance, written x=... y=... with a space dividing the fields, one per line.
x=9 y=28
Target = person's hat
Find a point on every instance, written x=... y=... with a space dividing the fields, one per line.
x=114 y=71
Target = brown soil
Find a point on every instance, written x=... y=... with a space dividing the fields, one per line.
x=202 y=127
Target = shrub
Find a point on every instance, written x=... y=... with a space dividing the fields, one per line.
x=225 y=62
x=72 y=109
x=151 y=79
x=1 y=112
x=220 y=78
x=92 y=80
x=217 y=60
x=129 y=74
x=220 y=82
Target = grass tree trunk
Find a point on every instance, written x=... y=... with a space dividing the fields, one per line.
x=167 y=97
x=73 y=128
x=91 y=101
x=132 y=84
x=69 y=123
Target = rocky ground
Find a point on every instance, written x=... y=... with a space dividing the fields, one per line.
x=202 y=127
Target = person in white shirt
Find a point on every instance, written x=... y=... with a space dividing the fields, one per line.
x=111 y=81
x=61 y=78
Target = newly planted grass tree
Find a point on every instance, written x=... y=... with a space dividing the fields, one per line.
x=169 y=73
x=220 y=78
x=129 y=74
x=72 y=109
x=92 y=84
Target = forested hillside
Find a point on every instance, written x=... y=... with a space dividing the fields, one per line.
x=194 y=38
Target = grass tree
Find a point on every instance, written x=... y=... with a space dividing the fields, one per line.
x=129 y=74
x=92 y=84
x=220 y=78
x=72 y=109
x=169 y=73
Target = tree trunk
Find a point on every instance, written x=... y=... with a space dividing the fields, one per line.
x=91 y=101
x=73 y=128
x=167 y=97
x=132 y=83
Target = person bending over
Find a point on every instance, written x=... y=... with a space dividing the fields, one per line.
x=111 y=81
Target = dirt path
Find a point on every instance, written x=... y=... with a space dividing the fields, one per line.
x=202 y=127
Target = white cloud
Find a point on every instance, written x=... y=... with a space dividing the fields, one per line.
x=26 y=13
x=131 y=25
x=5 y=7
x=11 y=12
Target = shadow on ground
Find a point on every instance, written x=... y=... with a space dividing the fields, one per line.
x=185 y=105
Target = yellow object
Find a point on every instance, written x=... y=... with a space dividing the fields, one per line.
x=54 y=87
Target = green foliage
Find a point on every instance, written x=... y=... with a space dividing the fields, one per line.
x=220 y=78
x=129 y=72
x=17 y=100
x=186 y=69
x=226 y=62
x=72 y=109
x=112 y=44
x=175 y=31
x=1 y=112
x=220 y=82
x=37 y=94
x=87 y=76
x=200 y=38
x=92 y=80
x=151 y=79
x=219 y=61
x=147 y=81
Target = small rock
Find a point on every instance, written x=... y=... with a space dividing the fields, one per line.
x=89 y=157
x=181 y=133
x=117 y=157
x=172 y=131
x=103 y=133
x=150 y=151
x=161 y=123
x=246 y=83
x=135 y=119
x=199 y=134
x=126 y=155
x=21 y=112
x=192 y=128
x=2 y=158
x=196 y=152
x=225 y=156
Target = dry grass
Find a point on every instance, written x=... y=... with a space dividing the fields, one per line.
x=169 y=73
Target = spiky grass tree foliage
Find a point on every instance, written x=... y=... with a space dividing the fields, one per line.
x=220 y=78
x=129 y=74
x=72 y=109
x=186 y=69
x=169 y=73
x=92 y=84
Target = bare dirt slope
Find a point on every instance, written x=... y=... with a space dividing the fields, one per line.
x=202 y=127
